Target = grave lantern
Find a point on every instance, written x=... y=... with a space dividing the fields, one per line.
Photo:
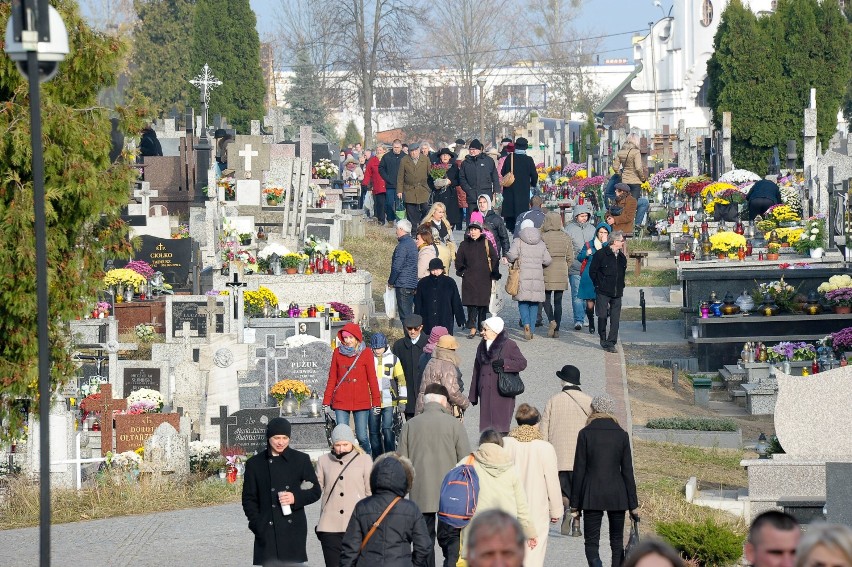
x=290 y=404
x=314 y=405
x=762 y=446
x=275 y=263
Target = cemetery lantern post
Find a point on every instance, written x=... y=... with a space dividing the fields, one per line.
x=37 y=41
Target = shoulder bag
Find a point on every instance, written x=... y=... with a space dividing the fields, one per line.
x=585 y=260
x=339 y=476
x=509 y=384
x=377 y=522
x=513 y=280
x=509 y=179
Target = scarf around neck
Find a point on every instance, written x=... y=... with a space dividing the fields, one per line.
x=526 y=433
x=350 y=351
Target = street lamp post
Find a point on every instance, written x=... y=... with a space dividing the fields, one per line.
x=37 y=41
x=654 y=77
x=481 y=82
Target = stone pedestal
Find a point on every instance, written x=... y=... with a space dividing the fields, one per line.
x=308 y=433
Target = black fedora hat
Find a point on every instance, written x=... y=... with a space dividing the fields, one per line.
x=570 y=374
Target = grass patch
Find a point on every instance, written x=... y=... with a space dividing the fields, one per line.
x=692 y=424
x=645 y=244
x=651 y=314
x=651 y=278
x=109 y=498
x=372 y=252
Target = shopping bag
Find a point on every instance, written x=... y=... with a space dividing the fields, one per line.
x=368 y=202
x=497 y=299
x=399 y=209
x=390 y=303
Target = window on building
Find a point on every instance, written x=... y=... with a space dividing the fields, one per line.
x=701 y=97
x=391 y=97
x=521 y=96
x=442 y=97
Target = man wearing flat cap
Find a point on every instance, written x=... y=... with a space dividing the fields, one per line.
x=478 y=175
x=408 y=350
x=564 y=416
x=274 y=500
x=412 y=184
x=437 y=299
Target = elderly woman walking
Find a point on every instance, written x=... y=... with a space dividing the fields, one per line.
x=477 y=264
x=532 y=253
x=535 y=461
x=443 y=368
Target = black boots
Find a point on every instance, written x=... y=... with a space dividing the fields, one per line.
x=590 y=313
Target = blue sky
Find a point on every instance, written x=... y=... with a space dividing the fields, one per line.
x=597 y=17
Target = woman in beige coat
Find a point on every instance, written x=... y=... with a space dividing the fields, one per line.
x=561 y=250
x=426 y=250
x=499 y=485
x=340 y=492
x=535 y=461
x=443 y=368
x=534 y=257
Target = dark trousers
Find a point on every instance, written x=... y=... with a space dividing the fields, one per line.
x=475 y=316
x=430 y=527
x=416 y=213
x=566 y=481
x=449 y=539
x=379 y=207
x=364 y=190
x=553 y=310
x=592 y=526
x=404 y=303
x=510 y=224
x=606 y=306
x=332 y=545
x=390 y=204
x=758 y=206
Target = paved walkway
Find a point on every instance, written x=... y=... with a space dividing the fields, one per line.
x=218 y=536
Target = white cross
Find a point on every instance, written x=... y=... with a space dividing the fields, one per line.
x=248 y=153
x=205 y=82
x=77 y=461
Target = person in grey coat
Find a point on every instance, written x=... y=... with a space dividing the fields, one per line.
x=534 y=257
x=581 y=230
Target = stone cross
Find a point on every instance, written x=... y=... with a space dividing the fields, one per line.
x=270 y=355
x=205 y=83
x=667 y=146
x=223 y=421
x=144 y=193
x=106 y=407
x=186 y=333
x=211 y=310
x=278 y=120
x=247 y=153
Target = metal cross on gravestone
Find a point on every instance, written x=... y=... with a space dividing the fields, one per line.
x=205 y=83
x=236 y=291
x=106 y=406
x=270 y=357
x=223 y=421
x=247 y=153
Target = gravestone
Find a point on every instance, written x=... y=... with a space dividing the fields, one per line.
x=173 y=257
x=131 y=431
x=248 y=431
x=223 y=421
x=248 y=192
x=277 y=120
x=166 y=454
x=838 y=493
x=269 y=369
x=310 y=364
x=250 y=157
x=139 y=378
x=198 y=311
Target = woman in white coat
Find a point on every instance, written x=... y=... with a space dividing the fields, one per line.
x=535 y=461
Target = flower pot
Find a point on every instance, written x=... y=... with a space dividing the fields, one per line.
x=785 y=245
x=246 y=242
x=771 y=256
x=272 y=202
x=816 y=253
x=721 y=256
x=292 y=270
x=842 y=309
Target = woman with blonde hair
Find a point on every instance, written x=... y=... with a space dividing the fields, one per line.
x=442 y=232
x=825 y=545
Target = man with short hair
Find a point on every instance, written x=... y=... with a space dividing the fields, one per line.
x=389 y=171
x=772 y=540
x=536 y=214
x=413 y=184
x=403 y=274
x=607 y=270
x=434 y=441
x=408 y=350
x=495 y=539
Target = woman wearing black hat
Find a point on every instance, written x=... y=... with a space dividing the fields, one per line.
x=437 y=299
x=477 y=264
x=274 y=500
x=516 y=197
x=447 y=194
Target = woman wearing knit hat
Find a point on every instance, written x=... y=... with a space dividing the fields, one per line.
x=603 y=479
x=274 y=500
x=429 y=349
x=340 y=491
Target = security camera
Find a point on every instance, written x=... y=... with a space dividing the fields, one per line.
x=48 y=53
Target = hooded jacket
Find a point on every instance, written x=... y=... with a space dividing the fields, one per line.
x=561 y=250
x=356 y=389
x=580 y=233
x=586 y=289
x=496 y=225
x=534 y=256
x=403 y=528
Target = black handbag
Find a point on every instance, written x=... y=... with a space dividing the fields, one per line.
x=633 y=540
x=509 y=384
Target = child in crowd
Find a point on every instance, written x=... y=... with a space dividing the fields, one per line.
x=391 y=380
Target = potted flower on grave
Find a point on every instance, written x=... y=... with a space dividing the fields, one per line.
x=724 y=243
x=772 y=250
x=838 y=292
x=780 y=291
x=290 y=262
x=90 y=405
x=144 y=400
x=205 y=457
x=274 y=196
x=298 y=388
x=256 y=302
x=811 y=240
x=125 y=282
x=245 y=238
x=144 y=332
x=125 y=464
x=783 y=215
x=841 y=341
x=180 y=231
x=324 y=169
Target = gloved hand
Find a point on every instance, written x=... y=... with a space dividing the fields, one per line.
x=326 y=409
x=634 y=514
x=497 y=365
x=496 y=277
x=460 y=273
x=377 y=411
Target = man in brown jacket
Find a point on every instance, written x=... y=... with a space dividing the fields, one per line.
x=564 y=416
x=412 y=184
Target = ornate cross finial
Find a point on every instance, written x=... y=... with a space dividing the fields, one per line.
x=205 y=83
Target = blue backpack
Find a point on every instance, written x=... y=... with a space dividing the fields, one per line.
x=459 y=494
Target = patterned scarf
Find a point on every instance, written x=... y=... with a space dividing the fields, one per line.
x=526 y=433
x=350 y=351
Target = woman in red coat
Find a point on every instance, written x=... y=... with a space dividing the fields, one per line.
x=352 y=385
x=372 y=177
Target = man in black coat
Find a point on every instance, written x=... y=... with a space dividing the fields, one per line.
x=389 y=171
x=408 y=350
x=150 y=145
x=516 y=197
x=437 y=299
x=607 y=272
x=274 y=500
x=478 y=175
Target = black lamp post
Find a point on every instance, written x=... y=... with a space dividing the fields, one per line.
x=37 y=41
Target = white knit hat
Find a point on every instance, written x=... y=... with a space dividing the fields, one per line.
x=496 y=324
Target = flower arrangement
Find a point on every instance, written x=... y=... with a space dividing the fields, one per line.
x=730 y=196
x=292 y=259
x=694 y=188
x=345 y=311
x=841 y=297
x=256 y=300
x=790 y=197
x=341 y=257
x=782 y=213
x=128 y=461
x=572 y=168
x=324 y=169
x=789 y=234
x=141 y=267
x=152 y=400
x=91 y=404
x=240 y=256
x=180 y=231
x=205 y=457
x=812 y=236
x=144 y=332
x=842 y=340
x=670 y=175
x=782 y=292
x=300 y=390
x=791 y=351
x=275 y=194
x=726 y=242
x=439 y=170
x=125 y=277
x=836 y=282
x=103 y=307
x=314 y=245
x=739 y=177
x=561 y=181
x=765 y=225
x=274 y=248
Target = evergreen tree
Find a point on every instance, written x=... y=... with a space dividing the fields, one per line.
x=304 y=98
x=84 y=196
x=588 y=129
x=351 y=135
x=160 y=68
x=836 y=66
x=224 y=36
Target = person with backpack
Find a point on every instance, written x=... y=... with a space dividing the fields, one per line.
x=434 y=441
x=391 y=380
x=386 y=528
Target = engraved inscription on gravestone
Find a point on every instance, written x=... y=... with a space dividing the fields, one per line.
x=249 y=428
x=131 y=431
x=308 y=363
x=189 y=311
x=172 y=256
x=139 y=378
